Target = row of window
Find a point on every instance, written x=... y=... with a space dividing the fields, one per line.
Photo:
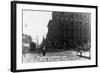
x=76 y=20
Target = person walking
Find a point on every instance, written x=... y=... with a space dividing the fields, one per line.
x=44 y=53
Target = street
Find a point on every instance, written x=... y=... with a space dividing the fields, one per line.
x=54 y=56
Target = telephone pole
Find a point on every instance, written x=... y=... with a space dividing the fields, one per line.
x=37 y=45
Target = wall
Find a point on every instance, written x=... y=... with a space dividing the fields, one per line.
x=5 y=36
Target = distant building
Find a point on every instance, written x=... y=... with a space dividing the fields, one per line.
x=27 y=43
x=32 y=46
x=69 y=29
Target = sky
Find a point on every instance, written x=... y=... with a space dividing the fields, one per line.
x=35 y=24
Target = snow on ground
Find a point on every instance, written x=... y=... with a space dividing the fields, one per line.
x=54 y=56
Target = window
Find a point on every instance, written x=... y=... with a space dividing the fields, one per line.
x=87 y=22
x=76 y=19
x=66 y=19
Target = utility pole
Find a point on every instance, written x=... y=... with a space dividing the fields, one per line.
x=37 y=45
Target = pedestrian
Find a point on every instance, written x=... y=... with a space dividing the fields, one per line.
x=80 y=52
x=44 y=51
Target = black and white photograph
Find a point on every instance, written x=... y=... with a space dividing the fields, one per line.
x=56 y=36
x=53 y=36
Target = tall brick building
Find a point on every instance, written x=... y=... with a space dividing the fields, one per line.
x=69 y=29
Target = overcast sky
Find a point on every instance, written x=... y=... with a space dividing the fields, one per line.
x=35 y=24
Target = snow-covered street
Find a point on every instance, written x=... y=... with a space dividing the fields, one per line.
x=54 y=56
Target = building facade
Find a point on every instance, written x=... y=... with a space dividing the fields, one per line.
x=69 y=29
